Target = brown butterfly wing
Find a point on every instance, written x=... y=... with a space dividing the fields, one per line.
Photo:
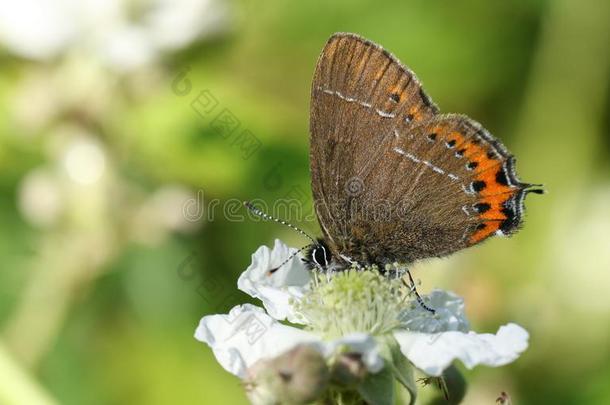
x=386 y=186
x=453 y=186
x=359 y=94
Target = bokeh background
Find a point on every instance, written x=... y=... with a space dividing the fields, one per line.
x=127 y=126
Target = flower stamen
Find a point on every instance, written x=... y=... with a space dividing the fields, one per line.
x=354 y=300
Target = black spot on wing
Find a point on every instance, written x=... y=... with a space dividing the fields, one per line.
x=501 y=177
x=481 y=207
x=478 y=185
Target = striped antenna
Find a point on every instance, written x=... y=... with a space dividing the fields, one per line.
x=289 y=259
x=261 y=214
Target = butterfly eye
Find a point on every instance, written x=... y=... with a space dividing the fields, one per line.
x=319 y=256
x=327 y=256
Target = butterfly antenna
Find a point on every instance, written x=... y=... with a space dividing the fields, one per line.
x=289 y=259
x=261 y=214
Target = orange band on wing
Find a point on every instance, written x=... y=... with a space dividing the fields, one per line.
x=494 y=191
x=485 y=229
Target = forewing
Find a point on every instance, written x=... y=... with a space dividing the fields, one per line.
x=360 y=95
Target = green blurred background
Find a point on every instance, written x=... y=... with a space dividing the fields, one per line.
x=112 y=247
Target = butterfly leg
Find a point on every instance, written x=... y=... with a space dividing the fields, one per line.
x=311 y=265
x=413 y=289
x=351 y=262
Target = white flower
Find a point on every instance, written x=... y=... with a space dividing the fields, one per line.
x=353 y=310
x=41 y=30
x=247 y=334
x=275 y=290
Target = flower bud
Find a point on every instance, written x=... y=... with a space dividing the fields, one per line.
x=298 y=376
x=348 y=369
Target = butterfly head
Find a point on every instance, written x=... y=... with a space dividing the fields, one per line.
x=319 y=255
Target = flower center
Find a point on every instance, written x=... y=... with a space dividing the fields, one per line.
x=354 y=300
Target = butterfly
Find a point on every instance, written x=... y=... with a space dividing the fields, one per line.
x=393 y=179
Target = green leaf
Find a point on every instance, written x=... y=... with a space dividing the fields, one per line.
x=403 y=371
x=455 y=383
x=455 y=386
x=378 y=389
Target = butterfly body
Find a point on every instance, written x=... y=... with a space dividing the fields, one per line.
x=393 y=179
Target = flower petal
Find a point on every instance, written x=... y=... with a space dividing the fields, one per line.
x=358 y=343
x=246 y=335
x=275 y=289
x=449 y=314
x=433 y=353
